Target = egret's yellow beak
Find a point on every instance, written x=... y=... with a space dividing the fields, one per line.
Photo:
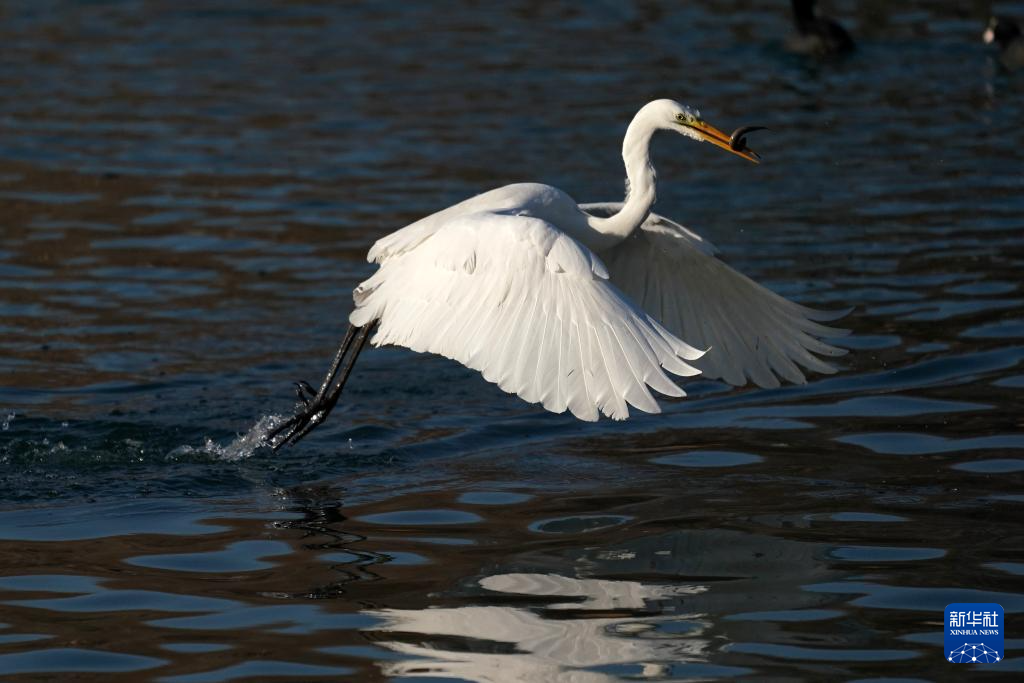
x=711 y=134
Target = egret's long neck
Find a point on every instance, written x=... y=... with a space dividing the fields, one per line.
x=641 y=181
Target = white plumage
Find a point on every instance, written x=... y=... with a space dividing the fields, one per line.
x=752 y=333
x=576 y=308
x=530 y=308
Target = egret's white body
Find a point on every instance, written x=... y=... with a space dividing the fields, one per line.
x=585 y=307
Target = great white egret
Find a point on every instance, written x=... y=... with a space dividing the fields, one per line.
x=570 y=305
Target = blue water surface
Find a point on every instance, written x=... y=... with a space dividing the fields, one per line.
x=188 y=192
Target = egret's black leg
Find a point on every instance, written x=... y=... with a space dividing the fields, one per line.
x=313 y=406
x=346 y=343
x=331 y=399
x=303 y=414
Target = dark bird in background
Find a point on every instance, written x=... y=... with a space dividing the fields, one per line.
x=1008 y=37
x=816 y=35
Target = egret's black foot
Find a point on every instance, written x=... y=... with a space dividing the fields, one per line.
x=304 y=392
x=314 y=406
x=306 y=411
x=307 y=416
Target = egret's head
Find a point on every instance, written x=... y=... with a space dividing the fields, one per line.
x=670 y=115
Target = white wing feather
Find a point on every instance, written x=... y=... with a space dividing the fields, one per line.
x=527 y=306
x=751 y=333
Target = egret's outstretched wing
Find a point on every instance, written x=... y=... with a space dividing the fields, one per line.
x=530 y=308
x=751 y=332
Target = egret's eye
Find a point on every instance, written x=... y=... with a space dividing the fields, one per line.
x=681 y=117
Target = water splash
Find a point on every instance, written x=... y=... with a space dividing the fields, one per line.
x=244 y=446
x=6 y=424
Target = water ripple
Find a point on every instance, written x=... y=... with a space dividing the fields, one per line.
x=189 y=192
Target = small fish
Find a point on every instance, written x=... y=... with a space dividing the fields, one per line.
x=738 y=139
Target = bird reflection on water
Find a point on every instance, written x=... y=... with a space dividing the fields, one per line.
x=590 y=630
x=506 y=644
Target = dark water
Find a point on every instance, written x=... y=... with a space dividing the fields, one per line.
x=187 y=193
